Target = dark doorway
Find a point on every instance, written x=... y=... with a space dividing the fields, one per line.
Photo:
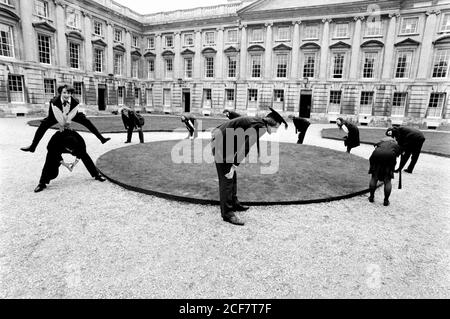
x=305 y=103
x=186 y=100
x=101 y=98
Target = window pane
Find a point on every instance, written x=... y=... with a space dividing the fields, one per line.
x=309 y=64
x=209 y=67
x=15 y=88
x=366 y=103
x=338 y=67
x=6 y=45
x=409 y=25
x=44 y=48
x=398 y=104
x=74 y=55
x=440 y=65
x=335 y=102
x=369 y=64
x=231 y=66
x=282 y=60
x=256 y=66
x=403 y=64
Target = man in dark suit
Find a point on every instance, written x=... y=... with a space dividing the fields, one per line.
x=69 y=105
x=410 y=141
x=65 y=141
x=301 y=126
x=191 y=124
x=131 y=121
x=231 y=114
x=229 y=148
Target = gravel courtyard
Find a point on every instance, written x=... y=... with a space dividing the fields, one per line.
x=81 y=238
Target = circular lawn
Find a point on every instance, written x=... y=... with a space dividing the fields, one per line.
x=184 y=170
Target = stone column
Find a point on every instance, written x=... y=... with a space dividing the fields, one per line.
x=127 y=45
x=88 y=43
x=109 y=48
x=295 y=50
x=177 y=60
x=389 y=52
x=243 y=57
x=355 y=64
x=324 y=48
x=219 y=56
x=198 y=58
x=28 y=36
x=61 y=35
x=426 y=54
x=159 y=63
x=268 y=72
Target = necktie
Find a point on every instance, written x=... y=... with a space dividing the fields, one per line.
x=66 y=108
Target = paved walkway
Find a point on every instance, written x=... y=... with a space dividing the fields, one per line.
x=80 y=238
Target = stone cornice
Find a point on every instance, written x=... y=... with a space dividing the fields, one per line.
x=325 y=20
x=433 y=11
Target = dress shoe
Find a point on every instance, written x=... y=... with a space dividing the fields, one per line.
x=371 y=199
x=100 y=178
x=386 y=202
x=240 y=208
x=105 y=140
x=28 y=149
x=40 y=188
x=407 y=171
x=127 y=142
x=397 y=171
x=234 y=220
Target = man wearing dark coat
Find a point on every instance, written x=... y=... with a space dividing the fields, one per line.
x=352 y=138
x=67 y=103
x=410 y=141
x=231 y=114
x=382 y=165
x=65 y=141
x=301 y=126
x=231 y=143
x=191 y=124
x=130 y=122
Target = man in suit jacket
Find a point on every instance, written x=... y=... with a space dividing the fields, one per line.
x=230 y=149
x=67 y=104
x=65 y=141
x=410 y=141
x=231 y=114
x=301 y=126
x=131 y=122
x=191 y=124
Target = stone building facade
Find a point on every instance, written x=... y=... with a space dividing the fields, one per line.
x=369 y=61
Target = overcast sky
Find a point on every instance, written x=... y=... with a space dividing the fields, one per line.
x=146 y=6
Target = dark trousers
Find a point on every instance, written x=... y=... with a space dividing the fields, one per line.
x=227 y=190
x=53 y=162
x=49 y=122
x=414 y=154
x=193 y=131
x=130 y=134
x=301 y=137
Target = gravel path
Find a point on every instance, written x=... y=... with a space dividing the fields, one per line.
x=80 y=238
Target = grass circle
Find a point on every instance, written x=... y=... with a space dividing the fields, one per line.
x=180 y=170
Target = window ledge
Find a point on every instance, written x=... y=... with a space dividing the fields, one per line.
x=408 y=34
x=310 y=39
x=373 y=36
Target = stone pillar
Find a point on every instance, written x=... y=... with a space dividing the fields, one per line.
x=243 y=60
x=177 y=60
x=324 y=48
x=389 y=52
x=28 y=36
x=198 y=58
x=219 y=56
x=268 y=72
x=88 y=43
x=159 y=63
x=295 y=50
x=109 y=48
x=127 y=62
x=61 y=35
x=355 y=64
x=426 y=54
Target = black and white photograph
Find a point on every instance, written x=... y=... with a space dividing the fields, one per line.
x=219 y=152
